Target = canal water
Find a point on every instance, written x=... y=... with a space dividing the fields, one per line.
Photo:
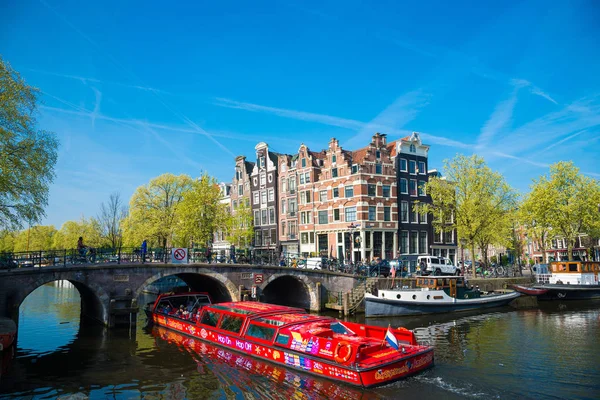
x=547 y=353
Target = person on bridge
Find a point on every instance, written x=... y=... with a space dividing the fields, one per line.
x=81 y=248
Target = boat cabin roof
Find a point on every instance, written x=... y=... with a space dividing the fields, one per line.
x=575 y=267
x=439 y=282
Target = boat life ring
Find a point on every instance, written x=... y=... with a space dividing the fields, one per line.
x=343 y=352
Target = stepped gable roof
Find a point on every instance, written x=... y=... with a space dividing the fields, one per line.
x=358 y=156
x=249 y=166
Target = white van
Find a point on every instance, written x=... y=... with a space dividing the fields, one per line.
x=431 y=265
x=314 y=263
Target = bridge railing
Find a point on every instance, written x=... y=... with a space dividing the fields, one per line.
x=91 y=256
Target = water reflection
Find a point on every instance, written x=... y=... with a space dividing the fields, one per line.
x=550 y=352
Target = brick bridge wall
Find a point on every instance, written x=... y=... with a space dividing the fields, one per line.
x=102 y=286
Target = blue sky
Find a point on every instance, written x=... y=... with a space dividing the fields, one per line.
x=136 y=89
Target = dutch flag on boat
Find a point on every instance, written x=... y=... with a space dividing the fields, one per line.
x=391 y=338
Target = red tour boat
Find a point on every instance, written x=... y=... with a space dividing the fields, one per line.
x=357 y=354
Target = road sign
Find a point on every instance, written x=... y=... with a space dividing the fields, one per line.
x=258 y=279
x=253 y=292
x=179 y=256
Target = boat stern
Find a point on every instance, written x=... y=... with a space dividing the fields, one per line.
x=402 y=367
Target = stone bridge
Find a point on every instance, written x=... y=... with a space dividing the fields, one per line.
x=109 y=290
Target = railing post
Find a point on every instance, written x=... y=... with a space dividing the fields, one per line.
x=119 y=256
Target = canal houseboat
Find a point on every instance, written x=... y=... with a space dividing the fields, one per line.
x=434 y=294
x=348 y=352
x=569 y=280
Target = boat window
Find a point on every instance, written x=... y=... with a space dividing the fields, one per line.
x=270 y=321
x=210 y=318
x=260 y=332
x=283 y=339
x=231 y=323
x=440 y=282
x=572 y=267
x=338 y=327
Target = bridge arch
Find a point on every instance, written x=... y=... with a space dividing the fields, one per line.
x=217 y=285
x=290 y=290
x=94 y=299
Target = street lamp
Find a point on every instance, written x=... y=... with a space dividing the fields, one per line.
x=463 y=243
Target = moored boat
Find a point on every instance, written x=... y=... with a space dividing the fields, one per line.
x=434 y=294
x=528 y=290
x=353 y=353
x=8 y=331
x=570 y=280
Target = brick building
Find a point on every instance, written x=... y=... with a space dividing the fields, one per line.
x=264 y=191
x=288 y=205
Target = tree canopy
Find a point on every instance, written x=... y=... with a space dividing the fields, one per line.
x=471 y=198
x=27 y=155
x=564 y=204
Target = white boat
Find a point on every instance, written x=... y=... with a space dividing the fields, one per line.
x=434 y=294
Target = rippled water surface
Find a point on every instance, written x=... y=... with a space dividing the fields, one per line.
x=547 y=353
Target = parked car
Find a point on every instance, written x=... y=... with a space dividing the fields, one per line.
x=433 y=265
x=381 y=268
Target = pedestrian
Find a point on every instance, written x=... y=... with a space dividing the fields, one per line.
x=144 y=250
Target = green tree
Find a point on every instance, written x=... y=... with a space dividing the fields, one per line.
x=535 y=215
x=239 y=225
x=201 y=213
x=70 y=231
x=27 y=155
x=111 y=219
x=569 y=202
x=7 y=241
x=471 y=198
x=153 y=210
x=36 y=238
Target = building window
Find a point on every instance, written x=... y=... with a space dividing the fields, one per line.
x=258 y=239
x=354 y=168
x=283 y=167
x=255 y=181
x=349 y=191
x=292 y=185
x=413 y=187
x=283 y=206
x=422 y=169
x=302 y=179
x=333 y=158
x=272 y=216
x=387 y=214
x=350 y=214
x=412 y=167
x=421 y=188
x=378 y=154
x=311 y=236
x=414 y=215
x=271 y=195
x=304 y=238
x=234 y=204
x=256 y=198
x=263 y=217
x=403 y=165
x=293 y=207
x=336 y=214
x=404 y=242
x=336 y=192
x=305 y=197
x=304 y=163
x=240 y=190
x=423 y=242
x=270 y=178
x=372 y=213
x=403 y=186
x=263 y=196
x=423 y=218
x=257 y=218
x=386 y=191
x=323 y=195
x=283 y=228
x=238 y=175
x=307 y=177
x=334 y=173
x=413 y=149
x=404 y=211
x=262 y=179
x=378 y=168
x=340 y=237
x=372 y=190
x=261 y=161
x=323 y=218
x=414 y=237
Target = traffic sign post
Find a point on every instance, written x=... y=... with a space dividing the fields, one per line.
x=179 y=255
